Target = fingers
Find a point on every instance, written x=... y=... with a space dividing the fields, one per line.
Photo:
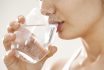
x=8 y=39
x=14 y=25
x=10 y=58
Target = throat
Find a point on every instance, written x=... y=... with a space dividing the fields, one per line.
x=93 y=53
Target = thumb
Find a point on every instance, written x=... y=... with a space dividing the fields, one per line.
x=51 y=50
x=10 y=57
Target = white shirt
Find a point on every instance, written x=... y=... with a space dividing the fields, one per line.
x=74 y=56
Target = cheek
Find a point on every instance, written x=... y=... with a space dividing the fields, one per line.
x=77 y=11
x=79 y=19
x=78 y=24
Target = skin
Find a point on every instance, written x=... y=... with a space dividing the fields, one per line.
x=11 y=60
x=82 y=18
x=76 y=14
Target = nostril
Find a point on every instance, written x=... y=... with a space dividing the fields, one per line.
x=44 y=12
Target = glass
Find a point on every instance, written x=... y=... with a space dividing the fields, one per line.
x=33 y=37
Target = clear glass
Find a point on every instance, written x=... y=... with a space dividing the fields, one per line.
x=33 y=37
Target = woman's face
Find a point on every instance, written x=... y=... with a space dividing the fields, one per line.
x=74 y=17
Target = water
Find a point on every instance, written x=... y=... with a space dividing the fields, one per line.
x=32 y=41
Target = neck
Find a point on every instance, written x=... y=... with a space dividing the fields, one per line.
x=94 y=40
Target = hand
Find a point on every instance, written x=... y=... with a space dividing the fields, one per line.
x=15 y=63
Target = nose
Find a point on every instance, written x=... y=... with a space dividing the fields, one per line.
x=47 y=8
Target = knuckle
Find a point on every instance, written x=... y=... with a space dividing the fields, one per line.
x=5 y=38
x=14 y=25
x=8 y=37
x=9 y=29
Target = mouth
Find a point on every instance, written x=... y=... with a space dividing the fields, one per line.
x=59 y=25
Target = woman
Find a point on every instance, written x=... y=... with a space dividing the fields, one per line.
x=75 y=18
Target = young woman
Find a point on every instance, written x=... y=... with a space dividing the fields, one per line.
x=75 y=18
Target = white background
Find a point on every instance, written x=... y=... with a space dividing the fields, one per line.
x=10 y=9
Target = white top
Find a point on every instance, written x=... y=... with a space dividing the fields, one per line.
x=74 y=56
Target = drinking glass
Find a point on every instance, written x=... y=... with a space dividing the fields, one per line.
x=33 y=37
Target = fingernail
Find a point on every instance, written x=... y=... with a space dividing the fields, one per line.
x=21 y=19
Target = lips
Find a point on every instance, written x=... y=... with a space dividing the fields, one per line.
x=60 y=26
x=58 y=22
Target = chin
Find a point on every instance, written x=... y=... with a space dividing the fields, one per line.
x=66 y=36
